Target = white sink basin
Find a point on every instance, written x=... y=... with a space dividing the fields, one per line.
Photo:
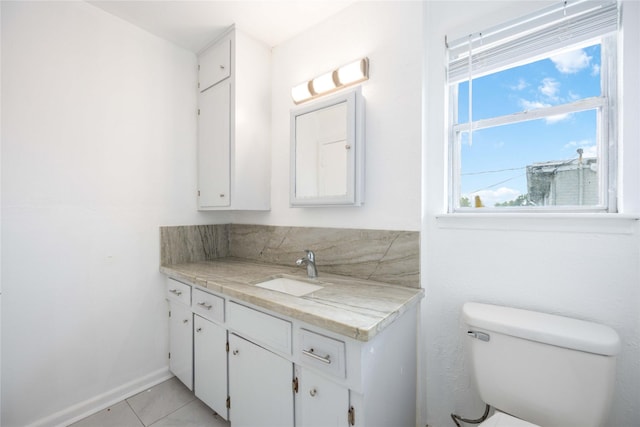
x=293 y=287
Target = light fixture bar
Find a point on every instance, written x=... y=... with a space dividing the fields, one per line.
x=347 y=75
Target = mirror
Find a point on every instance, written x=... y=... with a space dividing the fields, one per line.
x=327 y=152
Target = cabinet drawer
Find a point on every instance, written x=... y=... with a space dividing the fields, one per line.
x=321 y=352
x=179 y=292
x=208 y=306
x=260 y=327
x=214 y=64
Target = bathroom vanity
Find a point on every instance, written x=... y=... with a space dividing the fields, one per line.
x=343 y=354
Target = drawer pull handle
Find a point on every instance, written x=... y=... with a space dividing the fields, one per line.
x=205 y=305
x=311 y=353
x=175 y=291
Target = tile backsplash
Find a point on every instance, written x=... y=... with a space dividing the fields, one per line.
x=387 y=256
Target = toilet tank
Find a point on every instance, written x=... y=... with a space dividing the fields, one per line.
x=550 y=370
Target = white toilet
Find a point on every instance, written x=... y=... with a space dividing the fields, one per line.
x=539 y=369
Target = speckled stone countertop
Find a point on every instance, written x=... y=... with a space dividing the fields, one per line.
x=355 y=308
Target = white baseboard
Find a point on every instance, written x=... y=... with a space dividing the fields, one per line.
x=102 y=401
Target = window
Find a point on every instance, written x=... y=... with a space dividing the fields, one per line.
x=532 y=120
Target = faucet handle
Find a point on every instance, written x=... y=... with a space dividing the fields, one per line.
x=310 y=255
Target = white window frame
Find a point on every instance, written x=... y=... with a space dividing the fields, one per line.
x=465 y=61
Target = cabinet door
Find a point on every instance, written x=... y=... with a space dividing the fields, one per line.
x=214 y=139
x=320 y=402
x=214 y=64
x=259 y=386
x=181 y=343
x=210 y=364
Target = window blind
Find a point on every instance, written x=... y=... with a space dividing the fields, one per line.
x=523 y=40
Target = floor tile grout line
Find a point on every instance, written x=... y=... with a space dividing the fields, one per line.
x=171 y=413
x=134 y=412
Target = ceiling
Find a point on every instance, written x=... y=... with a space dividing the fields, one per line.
x=193 y=24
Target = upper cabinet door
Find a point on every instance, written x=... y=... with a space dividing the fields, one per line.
x=214 y=64
x=214 y=147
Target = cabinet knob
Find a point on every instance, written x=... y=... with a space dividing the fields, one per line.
x=199 y=330
x=221 y=194
x=235 y=352
x=313 y=392
x=185 y=321
x=222 y=67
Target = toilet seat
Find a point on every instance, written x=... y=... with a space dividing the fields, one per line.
x=500 y=419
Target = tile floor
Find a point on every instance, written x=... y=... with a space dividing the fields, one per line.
x=169 y=404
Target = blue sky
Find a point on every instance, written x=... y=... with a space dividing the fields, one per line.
x=508 y=149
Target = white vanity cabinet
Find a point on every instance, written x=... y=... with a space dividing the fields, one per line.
x=259 y=386
x=233 y=124
x=180 y=332
x=210 y=364
x=322 y=397
x=197 y=344
x=320 y=402
x=256 y=367
x=260 y=381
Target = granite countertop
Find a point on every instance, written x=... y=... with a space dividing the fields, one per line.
x=352 y=307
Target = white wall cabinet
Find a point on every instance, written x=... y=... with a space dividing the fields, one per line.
x=214 y=64
x=260 y=386
x=234 y=155
x=214 y=180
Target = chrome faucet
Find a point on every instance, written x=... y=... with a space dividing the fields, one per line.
x=310 y=262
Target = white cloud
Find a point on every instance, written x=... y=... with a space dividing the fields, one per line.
x=549 y=87
x=522 y=84
x=557 y=118
x=590 y=149
x=595 y=69
x=489 y=198
x=573 y=96
x=571 y=62
x=532 y=105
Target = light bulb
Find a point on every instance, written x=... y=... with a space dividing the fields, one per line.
x=301 y=92
x=353 y=72
x=323 y=83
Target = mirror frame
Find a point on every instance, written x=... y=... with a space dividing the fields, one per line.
x=355 y=138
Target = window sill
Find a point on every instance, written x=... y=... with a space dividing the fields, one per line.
x=604 y=223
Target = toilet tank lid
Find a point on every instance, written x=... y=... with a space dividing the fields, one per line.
x=544 y=328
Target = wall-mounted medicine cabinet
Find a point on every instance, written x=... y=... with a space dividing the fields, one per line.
x=327 y=151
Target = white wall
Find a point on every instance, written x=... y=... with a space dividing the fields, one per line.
x=389 y=33
x=98 y=151
x=585 y=268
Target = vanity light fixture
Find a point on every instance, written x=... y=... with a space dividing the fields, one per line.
x=347 y=75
